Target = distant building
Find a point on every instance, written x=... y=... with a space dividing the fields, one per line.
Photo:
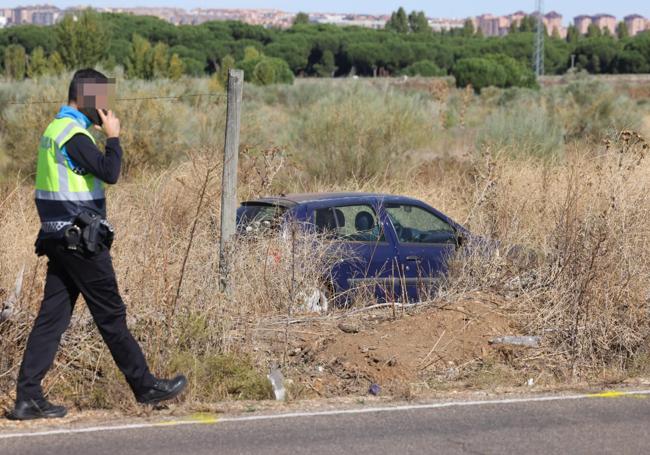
x=360 y=20
x=605 y=21
x=488 y=24
x=517 y=17
x=43 y=18
x=635 y=24
x=440 y=24
x=553 y=22
x=582 y=23
x=491 y=25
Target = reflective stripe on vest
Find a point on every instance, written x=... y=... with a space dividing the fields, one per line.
x=55 y=180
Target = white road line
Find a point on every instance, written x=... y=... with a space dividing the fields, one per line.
x=290 y=415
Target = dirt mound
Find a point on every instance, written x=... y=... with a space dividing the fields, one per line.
x=397 y=353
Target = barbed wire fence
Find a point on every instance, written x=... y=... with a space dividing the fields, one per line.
x=168 y=98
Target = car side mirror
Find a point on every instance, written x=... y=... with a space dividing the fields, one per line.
x=460 y=239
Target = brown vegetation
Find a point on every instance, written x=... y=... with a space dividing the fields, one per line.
x=572 y=263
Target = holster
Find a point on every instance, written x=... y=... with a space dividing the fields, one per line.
x=89 y=233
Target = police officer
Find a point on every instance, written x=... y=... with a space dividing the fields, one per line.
x=75 y=237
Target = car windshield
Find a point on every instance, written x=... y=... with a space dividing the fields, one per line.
x=255 y=217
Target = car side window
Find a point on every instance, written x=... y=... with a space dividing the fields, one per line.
x=353 y=223
x=414 y=224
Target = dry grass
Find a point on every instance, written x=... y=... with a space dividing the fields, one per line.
x=572 y=260
x=579 y=274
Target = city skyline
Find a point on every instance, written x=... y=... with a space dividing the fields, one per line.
x=459 y=9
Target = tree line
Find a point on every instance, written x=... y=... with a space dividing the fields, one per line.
x=147 y=48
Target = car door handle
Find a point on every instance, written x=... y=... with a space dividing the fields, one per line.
x=413 y=258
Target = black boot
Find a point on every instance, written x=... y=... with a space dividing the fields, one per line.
x=36 y=409
x=163 y=390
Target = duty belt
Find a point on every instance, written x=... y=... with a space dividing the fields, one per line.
x=56 y=226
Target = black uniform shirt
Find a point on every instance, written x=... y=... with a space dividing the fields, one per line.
x=86 y=155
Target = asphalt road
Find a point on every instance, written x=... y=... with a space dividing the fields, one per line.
x=589 y=425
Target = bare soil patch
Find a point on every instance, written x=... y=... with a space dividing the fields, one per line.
x=401 y=351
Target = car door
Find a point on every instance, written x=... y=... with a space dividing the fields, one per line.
x=424 y=243
x=367 y=255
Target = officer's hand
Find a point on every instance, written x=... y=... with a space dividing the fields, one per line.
x=110 y=123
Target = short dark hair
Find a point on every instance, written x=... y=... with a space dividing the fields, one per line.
x=83 y=76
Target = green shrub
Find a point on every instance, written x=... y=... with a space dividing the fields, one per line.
x=479 y=73
x=520 y=128
x=496 y=70
x=360 y=132
x=264 y=70
x=592 y=109
x=517 y=74
x=424 y=68
x=283 y=74
x=263 y=73
x=220 y=376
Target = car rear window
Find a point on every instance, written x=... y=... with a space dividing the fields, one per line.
x=252 y=217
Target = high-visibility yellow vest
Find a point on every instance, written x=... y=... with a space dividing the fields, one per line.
x=61 y=191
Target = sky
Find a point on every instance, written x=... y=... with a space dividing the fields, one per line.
x=449 y=9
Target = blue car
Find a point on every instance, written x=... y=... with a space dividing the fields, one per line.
x=395 y=245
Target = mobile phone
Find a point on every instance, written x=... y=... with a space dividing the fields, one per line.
x=99 y=118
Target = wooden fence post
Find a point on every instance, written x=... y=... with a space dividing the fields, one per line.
x=229 y=180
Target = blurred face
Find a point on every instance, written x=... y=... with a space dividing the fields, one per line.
x=93 y=95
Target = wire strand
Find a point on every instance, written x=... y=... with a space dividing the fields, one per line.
x=218 y=95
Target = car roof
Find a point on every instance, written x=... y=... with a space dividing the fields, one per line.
x=290 y=200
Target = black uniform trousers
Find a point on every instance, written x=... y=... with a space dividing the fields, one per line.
x=70 y=273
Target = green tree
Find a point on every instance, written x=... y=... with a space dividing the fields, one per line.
x=160 y=60
x=366 y=58
x=176 y=67
x=30 y=37
x=15 y=62
x=418 y=22
x=572 y=34
x=327 y=65
x=82 y=41
x=251 y=53
x=597 y=55
x=631 y=62
x=593 y=31
x=398 y=21
x=621 y=30
x=140 y=65
x=301 y=19
x=528 y=24
x=264 y=73
x=640 y=44
x=227 y=63
x=296 y=52
x=37 y=63
x=55 y=64
x=468 y=28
